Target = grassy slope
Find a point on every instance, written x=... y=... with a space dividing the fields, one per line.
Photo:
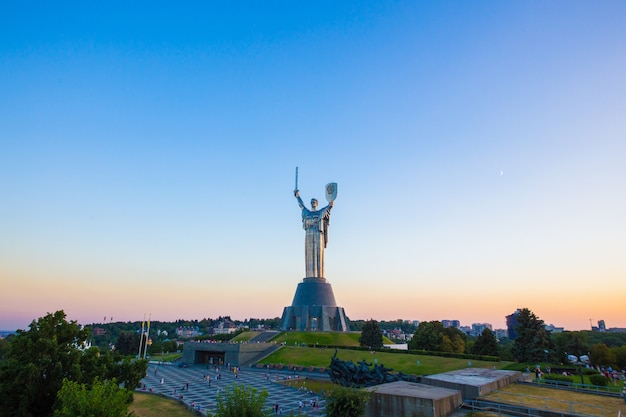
x=404 y=362
x=245 y=336
x=167 y=357
x=561 y=400
x=321 y=338
x=150 y=405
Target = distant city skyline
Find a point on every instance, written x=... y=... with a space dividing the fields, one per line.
x=147 y=158
x=599 y=325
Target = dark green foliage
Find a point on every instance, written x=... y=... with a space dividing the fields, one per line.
x=590 y=371
x=4 y=349
x=346 y=402
x=599 y=380
x=403 y=325
x=51 y=351
x=241 y=401
x=38 y=361
x=486 y=344
x=129 y=372
x=611 y=339
x=432 y=336
x=128 y=343
x=427 y=336
x=574 y=343
x=557 y=377
x=533 y=339
x=620 y=356
x=601 y=355
x=103 y=399
x=371 y=335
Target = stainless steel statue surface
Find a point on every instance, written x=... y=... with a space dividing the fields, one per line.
x=315 y=223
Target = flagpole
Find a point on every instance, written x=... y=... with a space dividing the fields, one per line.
x=145 y=349
x=141 y=339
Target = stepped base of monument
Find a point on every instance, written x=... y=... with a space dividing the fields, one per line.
x=314 y=318
x=314 y=309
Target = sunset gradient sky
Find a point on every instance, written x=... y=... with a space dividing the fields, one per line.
x=147 y=157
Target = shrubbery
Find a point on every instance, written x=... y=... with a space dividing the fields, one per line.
x=557 y=377
x=590 y=371
x=599 y=380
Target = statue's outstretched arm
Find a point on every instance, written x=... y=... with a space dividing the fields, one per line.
x=300 y=202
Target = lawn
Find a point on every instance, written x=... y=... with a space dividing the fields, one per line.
x=317 y=386
x=245 y=336
x=321 y=338
x=150 y=405
x=166 y=357
x=403 y=362
x=561 y=400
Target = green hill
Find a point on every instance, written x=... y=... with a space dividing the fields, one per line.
x=245 y=336
x=321 y=339
x=397 y=360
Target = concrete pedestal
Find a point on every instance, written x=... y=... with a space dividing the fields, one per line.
x=314 y=309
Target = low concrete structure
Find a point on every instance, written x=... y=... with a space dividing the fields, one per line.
x=235 y=354
x=473 y=382
x=409 y=399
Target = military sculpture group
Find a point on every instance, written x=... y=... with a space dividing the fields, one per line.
x=362 y=374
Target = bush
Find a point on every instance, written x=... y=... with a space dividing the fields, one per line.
x=239 y=400
x=557 y=377
x=590 y=371
x=346 y=402
x=599 y=380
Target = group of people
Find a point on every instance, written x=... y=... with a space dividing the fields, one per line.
x=614 y=375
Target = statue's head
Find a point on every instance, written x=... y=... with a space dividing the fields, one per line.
x=313 y=203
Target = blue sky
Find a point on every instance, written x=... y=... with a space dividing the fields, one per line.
x=147 y=157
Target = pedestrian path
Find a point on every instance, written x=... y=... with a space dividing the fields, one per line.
x=198 y=386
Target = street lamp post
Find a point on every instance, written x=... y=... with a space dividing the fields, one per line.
x=579 y=361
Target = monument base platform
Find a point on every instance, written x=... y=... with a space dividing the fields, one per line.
x=314 y=309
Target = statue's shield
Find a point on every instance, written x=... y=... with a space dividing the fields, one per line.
x=331 y=192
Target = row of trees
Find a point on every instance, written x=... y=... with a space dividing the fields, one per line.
x=48 y=370
x=534 y=343
x=432 y=336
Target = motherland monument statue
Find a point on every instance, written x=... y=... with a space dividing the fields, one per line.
x=314 y=306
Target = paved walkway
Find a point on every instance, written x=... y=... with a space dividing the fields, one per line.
x=192 y=385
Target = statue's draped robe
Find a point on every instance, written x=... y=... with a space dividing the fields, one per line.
x=315 y=223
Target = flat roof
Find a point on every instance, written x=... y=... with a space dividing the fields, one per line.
x=413 y=389
x=472 y=376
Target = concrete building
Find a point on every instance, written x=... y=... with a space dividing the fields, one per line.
x=511 y=324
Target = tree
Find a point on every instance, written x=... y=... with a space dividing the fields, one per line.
x=601 y=355
x=427 y=336
x=239 y=400
x=486 y=344
x=571 y=343
x=452 y=340
x=4 y=348
x=620 y=356
x=371 y=335
x=431 y=335
x=129 y=372
x=533 y=339
x=52 y=350
x=346 y=402
x=38 y=360
x=103 y=399
x=128 y=343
